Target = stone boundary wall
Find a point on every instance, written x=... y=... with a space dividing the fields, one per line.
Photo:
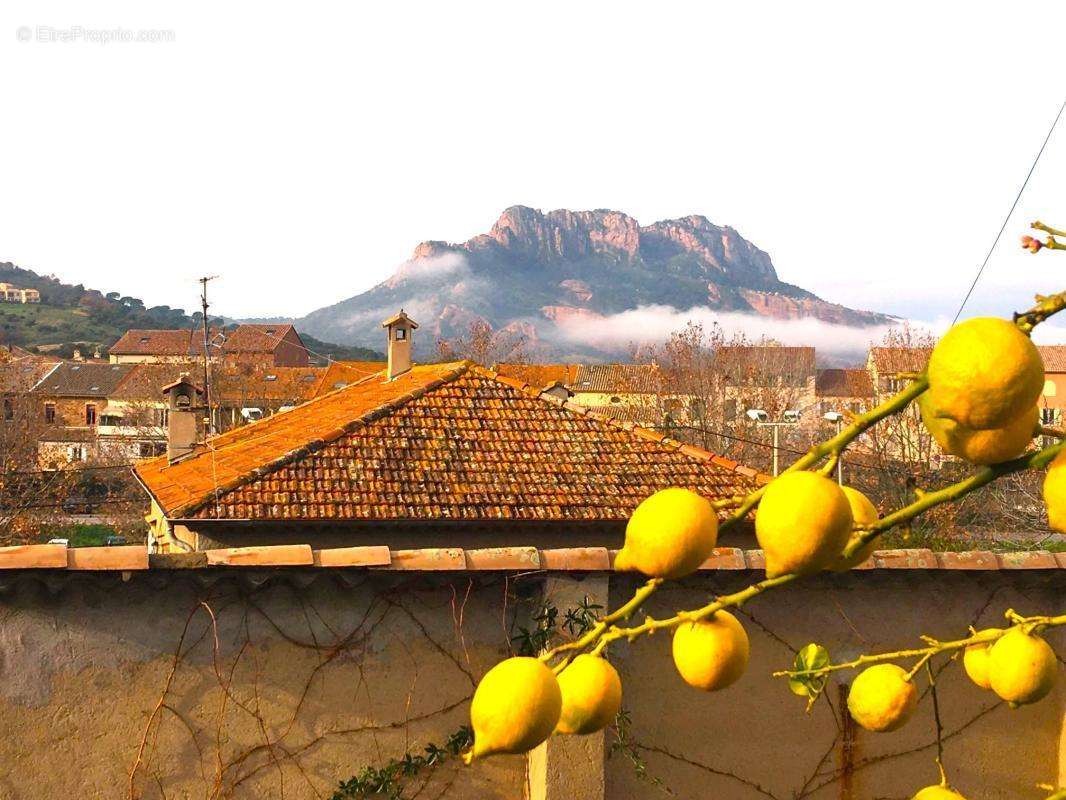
x=279 y=672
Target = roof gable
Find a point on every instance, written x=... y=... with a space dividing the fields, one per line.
x=448 y=441
x=256 y=338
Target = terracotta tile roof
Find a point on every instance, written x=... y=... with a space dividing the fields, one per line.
x=20 y=373
x=153 y=342
x=1054 y=357
x=255 y=338
x=73 y=379
x=290 y=385
x=890 y=360
x=245 y=338
x=541 y=375
x=617 y=378
x=344 y=373
x=145 y=382
x=443 y=441
x=843 y=383
x=761 y=363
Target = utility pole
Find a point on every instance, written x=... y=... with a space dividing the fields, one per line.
x=207 y=356
x=762 y=420
x=838 y=419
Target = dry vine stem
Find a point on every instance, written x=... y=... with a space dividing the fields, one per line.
x=606 y=630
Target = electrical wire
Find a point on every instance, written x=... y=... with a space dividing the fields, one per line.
x=1006 y=219
x=781 y=448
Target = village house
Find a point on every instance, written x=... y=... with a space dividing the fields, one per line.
x=9 y=293
x=843 y=391
x=260 y=344
x=78 y=424
x=441 y=453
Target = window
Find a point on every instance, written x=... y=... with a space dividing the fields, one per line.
x=1050 y=389
x=9 y=409
x=401 y=334
x=161 y=415
x=1047 y=416
x=50 y=413
x=111 y=420
x=149 y=449
x=90 y=414
x=76 y=452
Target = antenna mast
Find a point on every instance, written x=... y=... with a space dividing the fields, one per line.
x=207 y=360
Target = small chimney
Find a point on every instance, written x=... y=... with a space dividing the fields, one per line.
x=399 y=327
x=183 y=417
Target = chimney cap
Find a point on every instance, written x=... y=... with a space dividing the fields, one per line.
x=399 y=318
x=182 y=379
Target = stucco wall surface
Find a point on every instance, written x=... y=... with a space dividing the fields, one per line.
x=281 y=683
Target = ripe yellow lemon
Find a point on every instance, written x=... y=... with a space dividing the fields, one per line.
x=515 y=707
x=713 y=653
x=881 y=698
x=592 y=695
x=937 y=793
x=1055 y=493
x=803 y=522
x=984 y=373
x=990 y=446
x=1021 y=667
x=975 y=662
x=669 y=535
x=863 y=512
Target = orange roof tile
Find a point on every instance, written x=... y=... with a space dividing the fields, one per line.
x=540 y=375
x=1054 y=357
x=442 y=441
x=344 y=373
x=843 y=383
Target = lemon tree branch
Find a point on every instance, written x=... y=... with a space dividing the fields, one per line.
x=835 y=446
x=1040 y=226
x=621 y=613
x=605 y=631
x=933 y=647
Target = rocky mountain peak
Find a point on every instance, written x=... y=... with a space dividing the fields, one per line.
x=546 y=270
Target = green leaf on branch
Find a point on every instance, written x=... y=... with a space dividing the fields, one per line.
x=810 y=658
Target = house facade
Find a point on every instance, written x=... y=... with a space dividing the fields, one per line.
x=9 y=293
x=79 y=422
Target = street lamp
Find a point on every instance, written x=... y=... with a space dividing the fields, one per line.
x=790 y=417
x=838 y=419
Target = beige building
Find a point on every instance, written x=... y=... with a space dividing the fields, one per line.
x=9 y=293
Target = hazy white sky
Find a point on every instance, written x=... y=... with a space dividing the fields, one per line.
x=301 y=151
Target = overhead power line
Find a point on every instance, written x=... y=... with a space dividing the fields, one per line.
x=1013 y=206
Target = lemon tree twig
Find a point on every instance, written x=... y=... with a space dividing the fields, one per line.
x=601 y=625
x=1040 y=226
x=936 y=720
x=933 y=646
